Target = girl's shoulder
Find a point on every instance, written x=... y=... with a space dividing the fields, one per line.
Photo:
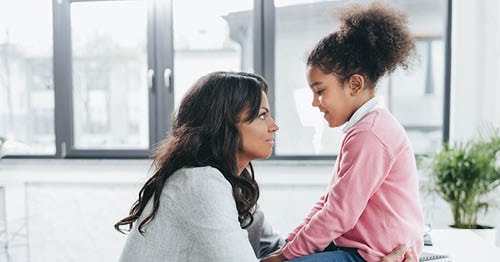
x=379 y=120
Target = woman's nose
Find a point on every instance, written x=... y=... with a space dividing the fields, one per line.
x=274 y=127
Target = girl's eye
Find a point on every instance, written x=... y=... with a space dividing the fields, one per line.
x=319 y=92
x=262 y=116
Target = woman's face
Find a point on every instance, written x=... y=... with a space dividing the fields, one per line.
x=257 y=136
x=331 y=97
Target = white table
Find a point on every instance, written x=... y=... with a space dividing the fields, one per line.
x=463 y=245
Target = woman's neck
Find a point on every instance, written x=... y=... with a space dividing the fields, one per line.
x=241 y=166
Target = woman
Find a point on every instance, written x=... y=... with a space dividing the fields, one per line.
x=203 y=191
x=203 y=195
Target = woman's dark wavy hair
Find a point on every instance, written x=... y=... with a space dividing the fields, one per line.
x=204 y=133
x=372 y=41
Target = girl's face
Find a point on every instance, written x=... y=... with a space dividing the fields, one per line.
x=337 y=101
x=257 y=136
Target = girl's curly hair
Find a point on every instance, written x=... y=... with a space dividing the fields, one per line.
x=372 y=40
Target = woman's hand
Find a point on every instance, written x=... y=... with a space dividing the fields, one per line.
x=400 y=252
x=277 y=256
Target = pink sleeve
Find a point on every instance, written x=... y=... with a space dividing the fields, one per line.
x=363 y=165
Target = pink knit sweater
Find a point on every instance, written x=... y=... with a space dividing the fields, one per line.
x=372 y=202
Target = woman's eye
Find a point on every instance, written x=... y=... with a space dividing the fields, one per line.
x=319 y=92
x=262 y=116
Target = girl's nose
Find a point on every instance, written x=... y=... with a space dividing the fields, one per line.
x=315 y=101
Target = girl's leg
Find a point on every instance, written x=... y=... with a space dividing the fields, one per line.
x=331 y=256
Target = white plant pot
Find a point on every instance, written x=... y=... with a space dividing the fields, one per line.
x=489 y=234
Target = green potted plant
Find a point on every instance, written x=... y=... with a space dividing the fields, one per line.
x=464 y=174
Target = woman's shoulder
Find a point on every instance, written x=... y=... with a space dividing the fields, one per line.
x=205 y=176
x=197 y=192
x=196 y=172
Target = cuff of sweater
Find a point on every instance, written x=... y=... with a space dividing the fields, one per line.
x=290 y=237
x=287 y=253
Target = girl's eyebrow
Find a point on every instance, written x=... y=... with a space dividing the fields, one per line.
x=314 y=85
x=265 y=108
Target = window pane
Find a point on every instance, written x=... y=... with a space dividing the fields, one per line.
x=303 y=131
x=26 y=82
x=110 y=93
x=216 y=35
x=415 y=97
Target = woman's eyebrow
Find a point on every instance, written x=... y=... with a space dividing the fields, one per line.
x=265 y=108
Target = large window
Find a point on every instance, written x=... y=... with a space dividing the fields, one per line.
x=415 y=96
x=109 y=69
x=104 y=64
x=213 y=36
x=26 y=83
x=101 y=78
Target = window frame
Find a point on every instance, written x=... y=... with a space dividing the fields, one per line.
x=160 y=99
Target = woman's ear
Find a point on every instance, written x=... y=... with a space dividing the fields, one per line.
x=356 y=84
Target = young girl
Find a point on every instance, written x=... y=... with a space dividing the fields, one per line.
x=374 y=189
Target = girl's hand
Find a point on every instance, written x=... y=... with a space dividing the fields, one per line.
x=400 y=252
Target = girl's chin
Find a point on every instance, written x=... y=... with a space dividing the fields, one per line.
x=330 y=121
x=332 y=124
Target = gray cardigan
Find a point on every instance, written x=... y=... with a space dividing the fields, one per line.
x=197 y=220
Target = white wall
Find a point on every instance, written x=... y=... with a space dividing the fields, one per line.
x=475 y=65
x=67 y=208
